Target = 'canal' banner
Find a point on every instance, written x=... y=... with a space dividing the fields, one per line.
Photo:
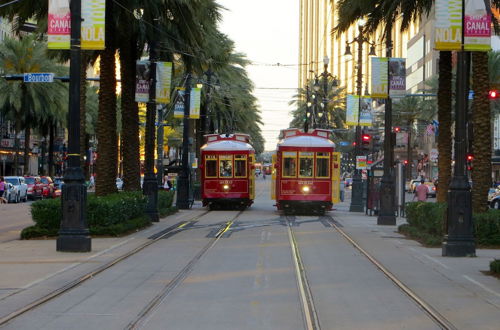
x=352 y=110
x=93 y=23
x=142 y=80
x=366 y=115
x=477 y=26
x=397 y=77
x=92 y=29
x=194 y=103
x=380 y=81
x=163 y=81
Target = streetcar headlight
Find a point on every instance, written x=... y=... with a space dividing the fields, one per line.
x=305 y=189
x=225 y=187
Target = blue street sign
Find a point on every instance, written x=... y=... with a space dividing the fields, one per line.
x=38 y=77
x=344 y=143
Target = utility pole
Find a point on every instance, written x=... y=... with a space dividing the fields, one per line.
x=150 y=184
x=74 y=232
x=184 y=184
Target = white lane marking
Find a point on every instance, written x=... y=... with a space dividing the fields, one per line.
x=429 y=258
x=482 y=286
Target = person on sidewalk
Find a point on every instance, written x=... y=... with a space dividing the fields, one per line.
x=2 y=190
x=421 y=191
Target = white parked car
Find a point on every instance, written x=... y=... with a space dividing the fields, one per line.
x=119 y=183
x=20 y=188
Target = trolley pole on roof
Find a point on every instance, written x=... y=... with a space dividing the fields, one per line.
x=74 y=232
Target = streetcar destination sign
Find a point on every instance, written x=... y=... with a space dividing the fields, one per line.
x=38 y=77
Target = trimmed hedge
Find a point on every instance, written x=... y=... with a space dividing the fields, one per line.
x=495 y=266
x=426 y=224
x=110 y=215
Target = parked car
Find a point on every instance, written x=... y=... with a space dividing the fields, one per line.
x=9 y=193
x=58 y=182
x=20 y=188
x=494 y=198
x=432 y=189
x=347 y=182
x=412 y=185
x=47 y=187
x=119 y=183
x=34 y=186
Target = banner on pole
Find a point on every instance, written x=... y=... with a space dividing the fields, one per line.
x=163 y=81
x=366 y=115
x=448 y=28
x=142 y=81
x=58 y=25
x=380 y=81
x=93 y=24
x=194 y=103
x=352 y=110
x=397 y=77
x=477 y=26
x=179 y=103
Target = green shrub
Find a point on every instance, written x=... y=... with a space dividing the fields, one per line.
x=47 y=213
x=487 y=228
x=165 y=199
x=495 y=266
x=37 y=231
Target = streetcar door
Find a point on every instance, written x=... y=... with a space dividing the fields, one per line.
x=251 y=176
x=335 y=177
x=273 y=178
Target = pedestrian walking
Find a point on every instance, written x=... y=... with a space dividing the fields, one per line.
x=2 y=190
x=421 y=191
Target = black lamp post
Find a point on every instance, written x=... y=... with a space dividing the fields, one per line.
x=357 y=184
x=308 y=109
x=74 y=231
x=183 y=184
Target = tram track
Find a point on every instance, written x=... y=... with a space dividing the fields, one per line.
x=77 y=282
x=146 y=312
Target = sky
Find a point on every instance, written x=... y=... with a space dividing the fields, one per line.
x=267 y=31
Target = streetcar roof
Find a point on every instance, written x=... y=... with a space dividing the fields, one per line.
x=227 y=145
x=308 y=141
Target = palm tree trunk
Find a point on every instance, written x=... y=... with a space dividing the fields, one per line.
x=51 y=149
x=130 y=120
x=107 y=157
x=83 y=122
x=481 y=144
x=27 y=137
x=444 y=118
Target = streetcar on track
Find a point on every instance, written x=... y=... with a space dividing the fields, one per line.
x=227 y=171
x=306 y=175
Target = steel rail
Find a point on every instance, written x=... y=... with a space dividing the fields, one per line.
x=428 y=309
x=143 y=317
x=93 y=273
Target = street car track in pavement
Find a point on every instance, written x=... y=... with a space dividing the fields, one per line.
x=70 y=285
x=439 y=319
x=142 y=317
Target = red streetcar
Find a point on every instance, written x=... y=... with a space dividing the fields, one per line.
x=307 y=172
x=227 y=169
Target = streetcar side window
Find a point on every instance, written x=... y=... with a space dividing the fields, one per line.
x=289 y=164
x=225 y=166
x=210 y=166
x=240 y=166
x=306 y=164
x=322 y=164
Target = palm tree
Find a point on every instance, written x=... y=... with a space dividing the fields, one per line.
x=28 y=103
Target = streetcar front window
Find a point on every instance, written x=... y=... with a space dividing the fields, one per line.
x=240 y=166
x=225 y=166
x=211 y=166
x=322 y=164
x=306 y=164
x=289 y=165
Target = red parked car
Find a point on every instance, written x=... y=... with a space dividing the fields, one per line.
x=47 y=187
x=35 y=187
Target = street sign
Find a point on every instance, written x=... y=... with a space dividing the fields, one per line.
x=344 y=143
x=361 y=162
x=38 y=77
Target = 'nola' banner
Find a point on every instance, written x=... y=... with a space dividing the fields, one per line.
x=142 y=80
x=448 y=28
x=380 y=81
x=163 y=81
x=93 y=24
x=352 y=106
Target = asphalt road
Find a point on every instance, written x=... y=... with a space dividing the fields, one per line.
x=13 y=218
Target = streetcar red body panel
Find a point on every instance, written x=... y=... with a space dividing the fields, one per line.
x=303 y=175
x=227 y=170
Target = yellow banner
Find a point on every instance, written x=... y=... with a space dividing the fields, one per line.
x=448 y=28
x=194 y=103
x=163 y=81
x=380 y=79
x=93 y=24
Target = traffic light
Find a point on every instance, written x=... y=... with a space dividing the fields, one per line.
x=494 y=94
x=405 y=162
x=470 y=159
x=397 y=129
x=366 y=140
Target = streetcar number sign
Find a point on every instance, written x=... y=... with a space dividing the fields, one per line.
x=38 y=77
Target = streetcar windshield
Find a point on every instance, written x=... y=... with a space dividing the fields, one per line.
x=289 y=164
x=306 y=164
x=322 y=164
x=240 y=166
x=225 y=166
x=211 y=168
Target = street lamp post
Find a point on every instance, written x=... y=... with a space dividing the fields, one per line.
x=308 y=109
x=357 y=184
x=74 y=232
x=183 y=186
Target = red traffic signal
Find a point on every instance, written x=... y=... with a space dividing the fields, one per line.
x=494 y=94
x=397 y=129
x=470 y=157
x=366 y=138
x=405 y=162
